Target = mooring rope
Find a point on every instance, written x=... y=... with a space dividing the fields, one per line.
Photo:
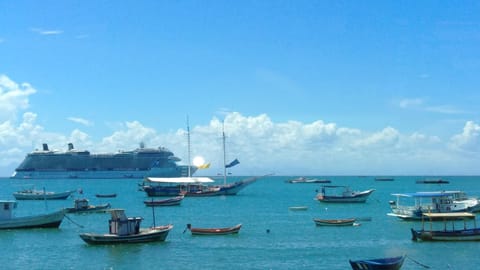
x=419 y=263
x=81 y=226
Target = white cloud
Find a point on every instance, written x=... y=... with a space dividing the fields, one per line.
x=261 y=145
x=445 y=109
x=13 y=97
x=82 y=121
x=469 y=139
x=47 y=32
x=420 y=104
x=410 y=102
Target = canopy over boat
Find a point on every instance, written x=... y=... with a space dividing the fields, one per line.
x=182 y=180
x=450 y=216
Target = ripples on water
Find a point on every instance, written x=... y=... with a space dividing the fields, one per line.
x=272 y=237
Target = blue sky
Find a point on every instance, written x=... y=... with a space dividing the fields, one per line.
x=304 y=87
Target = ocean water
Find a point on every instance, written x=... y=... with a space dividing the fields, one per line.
x=272 y=237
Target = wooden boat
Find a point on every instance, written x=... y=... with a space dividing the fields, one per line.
x=32 y=194
x=307 y=180
x=445 y=233
x=192 y=186
x=196 y=186
x=214 y=231
x=342 y=194
x=8 y=221
x=123 y=229
x=334 y=222
x=384 y=179
x=83 y=206
x=167 y=202
x=432 y=181
x=112 y=195
x=411 y=206
x=298 y=208
x=391 y=263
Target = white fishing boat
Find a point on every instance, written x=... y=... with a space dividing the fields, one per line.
x=9 y=221
x=34 y=194
x=342 y=194
x=83 y=206
x=123 y=229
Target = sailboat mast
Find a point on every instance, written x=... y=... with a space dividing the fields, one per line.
x=188 y=145
x=224 y=156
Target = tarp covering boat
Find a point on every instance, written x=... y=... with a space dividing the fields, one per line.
x=186 y=180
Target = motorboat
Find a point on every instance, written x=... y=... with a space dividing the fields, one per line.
x=9 y=221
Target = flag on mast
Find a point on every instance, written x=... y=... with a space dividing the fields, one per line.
x=233 y=163
x=204 y=166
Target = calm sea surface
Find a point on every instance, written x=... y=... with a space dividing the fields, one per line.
x=293 y=240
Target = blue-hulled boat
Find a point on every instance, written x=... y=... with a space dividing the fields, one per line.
x=460 y=232
x=391 y=263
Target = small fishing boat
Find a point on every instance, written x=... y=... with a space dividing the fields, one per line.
x=83 y=206
x=432 y=181
x=112 y=195
x=298 y=208
x=33 y=194
x=461 y=233
x=391 y=263
x=307 y=180
x=166 y=202
x=385 y=179
x=9 y=221
x=342 y=194
x=123 y=229
x=214 y=231
x=334 y=222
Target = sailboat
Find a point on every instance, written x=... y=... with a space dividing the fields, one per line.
x=196 y=186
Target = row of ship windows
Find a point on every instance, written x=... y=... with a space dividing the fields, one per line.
x=86 y=169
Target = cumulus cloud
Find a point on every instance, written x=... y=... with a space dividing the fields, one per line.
x=468 y=140
x=14 y=97
x=261 y=144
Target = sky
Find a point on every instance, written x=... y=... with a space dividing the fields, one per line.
x=301 y=87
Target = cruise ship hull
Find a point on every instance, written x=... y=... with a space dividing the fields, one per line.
x=139 y=163
x=154 y=172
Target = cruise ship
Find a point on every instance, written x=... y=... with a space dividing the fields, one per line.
x=139 y=163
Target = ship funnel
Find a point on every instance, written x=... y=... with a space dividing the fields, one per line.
x=45 y=147
x=70 y=146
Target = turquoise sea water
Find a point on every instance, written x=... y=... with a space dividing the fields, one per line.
x=293 y=240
